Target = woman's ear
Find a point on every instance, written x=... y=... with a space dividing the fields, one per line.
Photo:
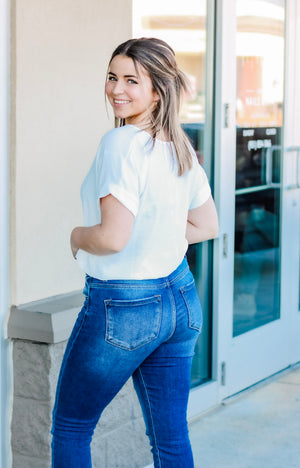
x=156 y=97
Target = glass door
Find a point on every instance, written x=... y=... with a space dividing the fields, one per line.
x=189 y=29
x=259 y=142
x=290 y=230
x=257 y=343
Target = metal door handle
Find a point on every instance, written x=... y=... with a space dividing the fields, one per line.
x=269 y=163
x=296 y=183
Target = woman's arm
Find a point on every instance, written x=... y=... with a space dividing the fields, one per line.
x=111 y=236
x=202 y=223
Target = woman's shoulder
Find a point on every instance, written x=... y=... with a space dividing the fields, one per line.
x=122 y=144
x=121 y=137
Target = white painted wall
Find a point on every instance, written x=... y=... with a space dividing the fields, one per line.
x=61 y=52
x=5 y=348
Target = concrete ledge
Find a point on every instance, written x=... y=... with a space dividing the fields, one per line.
x=46 y=321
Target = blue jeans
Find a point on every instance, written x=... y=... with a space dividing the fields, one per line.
x=146 y=329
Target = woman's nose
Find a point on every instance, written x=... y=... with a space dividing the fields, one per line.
x=118 y=87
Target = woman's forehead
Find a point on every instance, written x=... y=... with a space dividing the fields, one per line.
x=124 y=65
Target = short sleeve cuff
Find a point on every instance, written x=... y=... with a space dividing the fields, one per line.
x=200 y=198
x=123 y=196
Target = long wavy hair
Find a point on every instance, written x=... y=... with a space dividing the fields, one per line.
x=158 y=59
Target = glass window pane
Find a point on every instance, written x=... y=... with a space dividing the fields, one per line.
x=183 y=26
x=259 y=111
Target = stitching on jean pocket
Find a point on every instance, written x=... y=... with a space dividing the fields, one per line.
x=193 y=305
x=131 y=324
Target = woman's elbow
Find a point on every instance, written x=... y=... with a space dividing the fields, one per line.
x=213 y=224
x=210 y=231
x=214 y=231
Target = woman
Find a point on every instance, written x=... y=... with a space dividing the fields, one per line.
x=144 y=199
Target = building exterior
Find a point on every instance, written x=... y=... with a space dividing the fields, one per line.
x=243 y=117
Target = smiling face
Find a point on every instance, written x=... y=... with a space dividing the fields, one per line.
x=130 y=91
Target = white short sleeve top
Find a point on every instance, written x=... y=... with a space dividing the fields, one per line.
x=144 y=178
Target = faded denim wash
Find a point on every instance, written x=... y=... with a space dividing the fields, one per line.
x=146 y=329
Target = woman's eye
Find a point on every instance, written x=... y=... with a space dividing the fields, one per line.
x=130 y=81
x=111 y=78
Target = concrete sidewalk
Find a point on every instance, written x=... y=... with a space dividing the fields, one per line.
x=259 y=428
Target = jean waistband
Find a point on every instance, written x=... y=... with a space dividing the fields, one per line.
x=174 y=276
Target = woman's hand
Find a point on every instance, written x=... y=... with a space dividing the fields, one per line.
x=73 y=243
x=111 y=236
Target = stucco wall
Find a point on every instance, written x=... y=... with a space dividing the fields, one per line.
x=61 y=49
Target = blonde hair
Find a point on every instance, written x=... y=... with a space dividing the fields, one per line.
x=158 y=59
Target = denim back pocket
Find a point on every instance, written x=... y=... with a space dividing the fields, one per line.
x=193 y=305
x=132 y=323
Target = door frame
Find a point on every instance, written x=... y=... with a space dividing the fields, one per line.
x=220 y=387
x=290 y=268
x=225 y=155
x=208 y=395
x=249 y=354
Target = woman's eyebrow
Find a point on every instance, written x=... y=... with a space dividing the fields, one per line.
x=125 y=76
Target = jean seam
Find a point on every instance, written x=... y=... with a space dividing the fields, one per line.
x=124 y=284
x=128 y=286
x=173 y=307
x=190 y=323
x=179 y=276
x=151 y=417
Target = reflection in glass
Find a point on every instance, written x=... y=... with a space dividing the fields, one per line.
x=260 y=65
x=183 y=26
